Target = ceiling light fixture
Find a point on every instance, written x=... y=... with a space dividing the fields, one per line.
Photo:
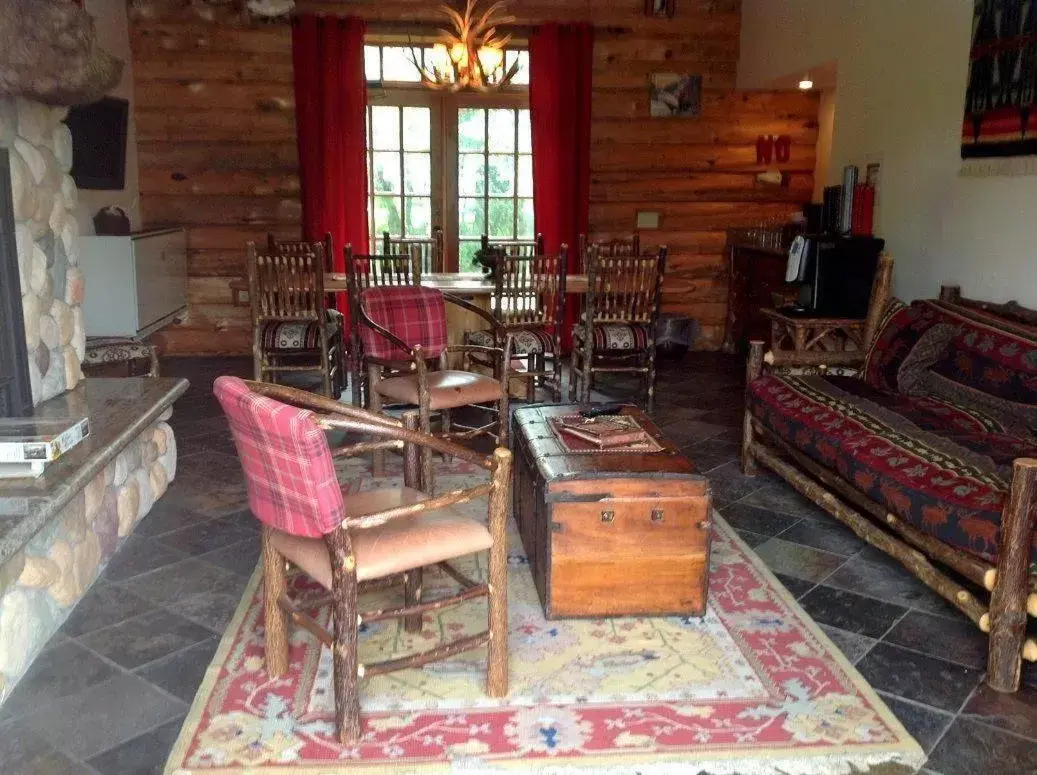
x=471 y=55
x=806 y=83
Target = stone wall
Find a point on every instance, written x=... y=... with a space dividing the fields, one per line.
x=45 y=196
x=40 y=585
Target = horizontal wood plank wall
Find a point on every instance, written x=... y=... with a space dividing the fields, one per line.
x=216 y=143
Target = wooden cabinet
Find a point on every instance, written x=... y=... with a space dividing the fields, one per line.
x=136 y=284
x=610 y=533
x=756 y=275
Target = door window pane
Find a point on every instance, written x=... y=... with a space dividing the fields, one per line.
x=372 y=63
x=386 y=177
x=502 y=174
x=525 y=143
x=419 y=216
x=502 y=130
x=417 y=129
x=470 y=217
x=471 y=129
x=502 y=218
x=417 y=173
x=525 y=218
x=525 y=176
x=466 y=256
x=471 y=173
x=387 y=215
x=385 y=128
x=522 y=74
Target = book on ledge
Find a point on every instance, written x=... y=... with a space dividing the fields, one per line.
x=603 y=431
x=28 y=445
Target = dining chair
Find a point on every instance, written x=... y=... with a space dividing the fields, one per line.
x=293 y=328
x=528 y=303
x=367 y=271
x=301 y=247
x=408 y=325
x=430 y=249
x=514 y=247
x=360 y=542
x=617 y=329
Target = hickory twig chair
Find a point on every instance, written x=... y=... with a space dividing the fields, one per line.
x=617 y=332
x=407 y=324
x=368 y=272
x=291 y=320
x=514 y=247
x=528 y=303
x=301 y=247
x=430 y=249
x=375 y=539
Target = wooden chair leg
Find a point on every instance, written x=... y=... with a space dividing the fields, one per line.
x=574 y=372
x=344 y=648
x=650 y=379
x=412 y=590
x=275 y=618
x=753 y=369
x=425 y=425
x=374 y=401
x=587 y=381
x=497 y=650
x=1008 y=616
x=444 y=426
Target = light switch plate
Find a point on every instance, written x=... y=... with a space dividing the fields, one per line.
x=647 y=219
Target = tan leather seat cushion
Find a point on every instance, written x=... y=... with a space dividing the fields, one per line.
x=399 y=545
x=447 y=389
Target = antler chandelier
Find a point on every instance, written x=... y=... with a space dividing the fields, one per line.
x=471 y=55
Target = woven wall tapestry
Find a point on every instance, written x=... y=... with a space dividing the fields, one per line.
x=999 y=133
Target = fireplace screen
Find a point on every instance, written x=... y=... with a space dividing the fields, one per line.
x=15 y=391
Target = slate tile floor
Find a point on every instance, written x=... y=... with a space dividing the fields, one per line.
x=111 y=690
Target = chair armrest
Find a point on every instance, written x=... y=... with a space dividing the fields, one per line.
x=474 y=309
x=321 y=404
x=376 y=518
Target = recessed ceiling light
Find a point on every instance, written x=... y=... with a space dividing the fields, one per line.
x=806 y=83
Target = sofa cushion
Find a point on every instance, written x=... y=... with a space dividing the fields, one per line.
x=943 y=467
x=904 y=338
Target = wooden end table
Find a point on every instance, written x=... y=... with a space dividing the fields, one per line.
x=816 y=341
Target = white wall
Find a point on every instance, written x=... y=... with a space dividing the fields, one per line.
x=902 y=66
x=113 y=34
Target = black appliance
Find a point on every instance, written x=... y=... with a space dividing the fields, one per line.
x=837 y=274
x=99 y=143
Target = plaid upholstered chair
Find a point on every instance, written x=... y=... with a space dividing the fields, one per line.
x=528 y=303
x=407 y=325
x=367 y=271
x=293 y=329
x=617 y=332
x=372 y=539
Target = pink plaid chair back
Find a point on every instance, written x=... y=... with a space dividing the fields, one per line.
x=417 y=315
x=288 y=466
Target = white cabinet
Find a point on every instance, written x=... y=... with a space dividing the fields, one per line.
x=136 y=284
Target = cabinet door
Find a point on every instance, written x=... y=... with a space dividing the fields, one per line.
x=161 y=268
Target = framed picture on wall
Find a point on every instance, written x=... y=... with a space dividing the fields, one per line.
x=672 y=94
x=660 y=7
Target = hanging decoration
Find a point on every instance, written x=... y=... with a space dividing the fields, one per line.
x=471 y=55
x=999 y=131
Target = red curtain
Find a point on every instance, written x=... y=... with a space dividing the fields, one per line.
x=330 y=121
x=560 y=62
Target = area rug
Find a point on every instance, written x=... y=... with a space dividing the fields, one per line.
x=752 y=687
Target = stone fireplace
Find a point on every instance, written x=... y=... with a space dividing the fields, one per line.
x=59 y=530
x=43 y=201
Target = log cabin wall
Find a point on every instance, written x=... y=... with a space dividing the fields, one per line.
x=216 y=142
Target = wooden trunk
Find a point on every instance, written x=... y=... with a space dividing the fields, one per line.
x=611 y=533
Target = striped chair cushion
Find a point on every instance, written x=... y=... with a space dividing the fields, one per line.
x=527 y=341
x=616 y=337
x=279 y=335
x=289 y=472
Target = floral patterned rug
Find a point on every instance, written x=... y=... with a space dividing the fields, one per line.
x=753 y=687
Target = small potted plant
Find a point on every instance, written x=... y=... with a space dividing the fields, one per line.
x=486 y=259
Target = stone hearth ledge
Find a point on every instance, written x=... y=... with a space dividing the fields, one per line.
x=57 y=532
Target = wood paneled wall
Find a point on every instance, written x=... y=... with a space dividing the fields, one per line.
x=216 y=143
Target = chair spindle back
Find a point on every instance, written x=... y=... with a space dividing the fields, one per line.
x=529 y=290
x=300 y=247
x=624 y=288
x=430 y=249
x=287 y=286
x=515 y=247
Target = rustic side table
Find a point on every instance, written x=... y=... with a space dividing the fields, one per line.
x=816 y=341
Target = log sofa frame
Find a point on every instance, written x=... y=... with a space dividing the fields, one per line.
x=1012 y=589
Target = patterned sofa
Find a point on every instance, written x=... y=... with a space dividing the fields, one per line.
x=929 y=453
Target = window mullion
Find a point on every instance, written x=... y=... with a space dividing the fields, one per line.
x=403 y=188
